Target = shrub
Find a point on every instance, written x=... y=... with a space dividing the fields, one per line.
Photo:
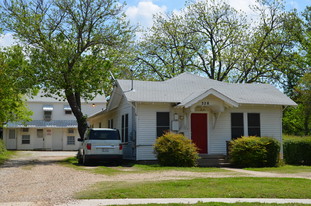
x=176 y=150
x=2 y=147
x=254 y=152
x=297 y=151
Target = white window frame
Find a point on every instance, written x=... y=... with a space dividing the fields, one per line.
x=71 y=140
x=26 y=139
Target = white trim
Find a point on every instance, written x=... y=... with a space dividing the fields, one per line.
x=206 y=94
x=47 y=108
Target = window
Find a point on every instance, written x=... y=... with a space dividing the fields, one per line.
x=47 y=115
x=163 y=123
x=237 y=125
x=71 y=130
x=68 y=112
x=40 y=133
x=253 y=121
x=25 y=130
x=67 y=109
x=100 y=125
x=110 y=123
x=12 y=134
x=25 y=139
x=125 y=129
x=71 y=140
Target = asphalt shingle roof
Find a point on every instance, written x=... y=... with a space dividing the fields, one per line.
x=186 y=86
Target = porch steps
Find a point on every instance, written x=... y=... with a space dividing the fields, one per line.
x=207 y=160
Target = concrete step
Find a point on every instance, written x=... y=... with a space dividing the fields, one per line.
x=207 y=160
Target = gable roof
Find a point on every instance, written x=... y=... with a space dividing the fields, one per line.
x=185 y=87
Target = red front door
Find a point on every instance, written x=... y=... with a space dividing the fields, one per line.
x=199 y=131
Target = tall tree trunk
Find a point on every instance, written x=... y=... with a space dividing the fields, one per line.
x=75 y=104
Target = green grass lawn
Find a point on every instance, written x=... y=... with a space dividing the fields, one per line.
x=226 y=204
x=291 y=169
x=236 y=187
x=129 y=167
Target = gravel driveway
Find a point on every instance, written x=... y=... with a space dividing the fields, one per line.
x=34 y=177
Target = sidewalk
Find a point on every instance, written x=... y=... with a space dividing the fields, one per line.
x=95 y=202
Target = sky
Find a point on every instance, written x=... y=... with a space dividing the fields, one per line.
x=141 y=11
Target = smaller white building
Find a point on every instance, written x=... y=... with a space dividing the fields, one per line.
x=53 y=125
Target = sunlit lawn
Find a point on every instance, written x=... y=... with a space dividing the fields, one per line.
x=233 y=187
x=284 y=169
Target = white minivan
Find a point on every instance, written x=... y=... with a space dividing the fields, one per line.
x=100 y=144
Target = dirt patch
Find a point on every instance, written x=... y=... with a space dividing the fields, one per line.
x=40 y=180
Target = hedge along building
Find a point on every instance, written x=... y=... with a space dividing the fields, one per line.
x=207 y=111
x=53 y=125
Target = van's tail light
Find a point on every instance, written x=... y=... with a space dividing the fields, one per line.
x=88 y=146
x=120 y=146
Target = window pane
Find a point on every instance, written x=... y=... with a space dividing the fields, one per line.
x=237 y=119
x=40 y=133
x=162 y=130
x=126 y=130
x=70 y=140
x=253 y=119
x=12 y=134
x=163 y=123
x=163 y=119
x=25 y=139
x=237 y=132
x=254 y=132
x=237 y=125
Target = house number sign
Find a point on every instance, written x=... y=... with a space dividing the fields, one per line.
x=204 y=103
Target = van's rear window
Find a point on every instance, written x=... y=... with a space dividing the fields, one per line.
x=104 y=135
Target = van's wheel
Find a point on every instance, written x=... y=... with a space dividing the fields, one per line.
x=85 y=161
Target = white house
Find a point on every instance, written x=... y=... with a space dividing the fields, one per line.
x=53 y=125
x=207 y=111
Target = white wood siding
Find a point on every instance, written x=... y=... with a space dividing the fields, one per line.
x=146 y=131
x=270 y=125
x=58 y=112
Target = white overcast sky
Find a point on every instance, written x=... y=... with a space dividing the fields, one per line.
x=141 y=11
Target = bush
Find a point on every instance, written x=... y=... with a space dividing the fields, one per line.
x=254 y=152
x=176 y=150
x=2 y=147
x=297 y=151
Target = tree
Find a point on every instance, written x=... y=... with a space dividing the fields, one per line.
x=212 y=38
x=70 y=44
x=15 y=84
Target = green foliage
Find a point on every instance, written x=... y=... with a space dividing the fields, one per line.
x=72 y=45
x=176 y=150
x=16 y=80
x=213 y=38
x=2 y=147
x=4 y=153
x=297 y=150
x=254 y=152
